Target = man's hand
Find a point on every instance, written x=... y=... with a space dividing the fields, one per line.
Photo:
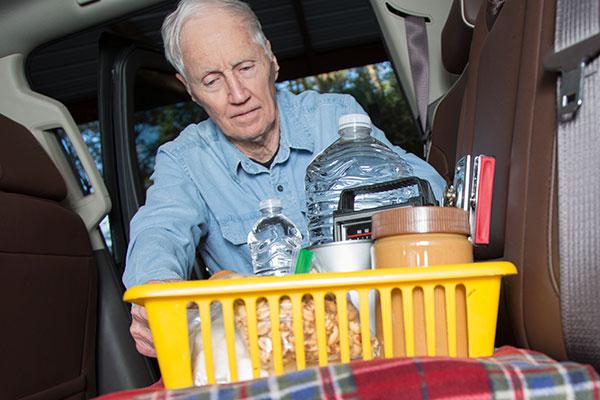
x=140 y=330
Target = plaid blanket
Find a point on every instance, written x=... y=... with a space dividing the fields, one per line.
x=509 y=374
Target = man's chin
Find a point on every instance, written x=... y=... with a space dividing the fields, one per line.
x=245 y=135
x=256 y=132
x=251 y=132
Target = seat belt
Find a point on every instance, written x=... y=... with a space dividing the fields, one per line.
x=575 y=56
x=418 y=56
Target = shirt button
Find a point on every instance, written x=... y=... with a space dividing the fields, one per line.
x=279 y=188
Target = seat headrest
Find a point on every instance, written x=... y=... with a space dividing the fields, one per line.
x=470 y=9
x=25 y=168
x=457 y=33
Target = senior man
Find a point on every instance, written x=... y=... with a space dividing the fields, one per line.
x=256 y=144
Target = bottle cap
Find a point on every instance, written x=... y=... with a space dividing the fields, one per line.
x=408 y=220
x=354 y=120
x=269 y=203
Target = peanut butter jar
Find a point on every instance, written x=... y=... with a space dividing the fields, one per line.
x=417 y=237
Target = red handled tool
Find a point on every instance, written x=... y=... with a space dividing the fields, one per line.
x=481 y=199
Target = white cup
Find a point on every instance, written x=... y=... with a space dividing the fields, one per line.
x=344 y=256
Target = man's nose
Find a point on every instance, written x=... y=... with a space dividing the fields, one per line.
x=238 y=93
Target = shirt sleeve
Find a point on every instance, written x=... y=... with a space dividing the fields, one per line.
x=421 y=168
x=165 y=231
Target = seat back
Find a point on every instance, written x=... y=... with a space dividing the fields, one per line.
x=48 y=278
x=488 y=112
x=532 y=221
x=508 y=112
x=456 y=43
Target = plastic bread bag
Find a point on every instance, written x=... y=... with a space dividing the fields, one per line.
x=219 y=344
x=310 y=262
x=265 y=340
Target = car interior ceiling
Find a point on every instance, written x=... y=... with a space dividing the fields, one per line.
x=308 y=39
x=499 y=106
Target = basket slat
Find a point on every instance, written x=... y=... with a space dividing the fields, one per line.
x=385 y=297
x=228 y=323
x=451 y=318
x=206 y=330
x=318 y=298
x=365 y=327
x=253 y=335
x=298 y=324
x=342 y=307
x=409 y=323
x=430 y=319
x=275 y=334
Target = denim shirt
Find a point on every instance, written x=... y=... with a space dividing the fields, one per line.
x=206 y=191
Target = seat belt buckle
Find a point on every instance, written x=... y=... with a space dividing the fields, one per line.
x=570 y=92
x=570 y=63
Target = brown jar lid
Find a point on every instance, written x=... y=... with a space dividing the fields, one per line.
x=407 y=220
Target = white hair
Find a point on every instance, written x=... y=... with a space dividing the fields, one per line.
x=187 y=9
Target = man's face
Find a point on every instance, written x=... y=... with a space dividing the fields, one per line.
x=230 y=76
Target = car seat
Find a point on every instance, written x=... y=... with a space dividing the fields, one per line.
x=48 y=290
x=456 y=42
x=509 y=112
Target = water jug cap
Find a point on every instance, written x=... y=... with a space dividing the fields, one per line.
x=269 y=203
x=354 y=120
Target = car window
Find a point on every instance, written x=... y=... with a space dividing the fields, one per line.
x=90 y=132
x=377 y=90
x=158 y=125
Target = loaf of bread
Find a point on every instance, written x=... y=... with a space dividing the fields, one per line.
x=265 y=343
x=288 y=341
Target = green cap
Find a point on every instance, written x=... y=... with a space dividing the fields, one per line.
x=303 y=262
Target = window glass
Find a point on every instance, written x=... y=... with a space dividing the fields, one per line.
x=377 y=90
x=159 y=125
x=162 y=109
x=69 y=150
x=90 y=132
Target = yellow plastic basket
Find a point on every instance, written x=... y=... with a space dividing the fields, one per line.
x=167 y=303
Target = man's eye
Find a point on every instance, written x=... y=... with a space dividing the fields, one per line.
x=210 y=82
x=247 y=67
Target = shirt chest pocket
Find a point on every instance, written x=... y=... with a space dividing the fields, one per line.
x=235 y=228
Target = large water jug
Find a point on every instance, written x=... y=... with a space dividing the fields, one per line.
x=355 y=159
x=274 y=241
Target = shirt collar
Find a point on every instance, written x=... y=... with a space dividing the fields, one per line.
x=294 y=134
x=293 y=126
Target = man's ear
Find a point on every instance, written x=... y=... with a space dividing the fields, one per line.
x=181 y=79
x=274 y=63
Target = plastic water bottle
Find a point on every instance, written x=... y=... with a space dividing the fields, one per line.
x=355 y=159
x=274 y=241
